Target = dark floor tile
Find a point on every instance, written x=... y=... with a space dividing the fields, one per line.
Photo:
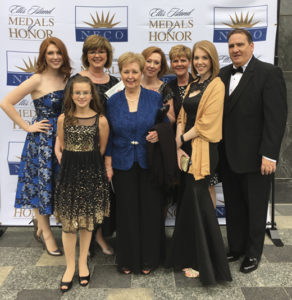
x=97 y=257
x=183 y=282
x=81 y=293
x=102 y=259
x=159 y=278
x=106 y=276
x=278 y=254
x=284 y=210
x=39 y=294
x=283 y=190
x=288 y=291
x=22 y=238
x=266 y=293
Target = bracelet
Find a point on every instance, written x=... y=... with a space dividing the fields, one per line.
x=182 y=139
x=108 y=169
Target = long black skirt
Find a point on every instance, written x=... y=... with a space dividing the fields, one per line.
x=140 y=242
x=197 y=241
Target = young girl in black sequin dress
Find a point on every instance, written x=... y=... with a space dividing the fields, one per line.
x=82 y=192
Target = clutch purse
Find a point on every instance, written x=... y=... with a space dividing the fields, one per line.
x=185 y=163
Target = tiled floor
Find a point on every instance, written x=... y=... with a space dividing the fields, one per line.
x=28 y=272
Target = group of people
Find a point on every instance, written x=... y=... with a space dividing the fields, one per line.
x=225 y=124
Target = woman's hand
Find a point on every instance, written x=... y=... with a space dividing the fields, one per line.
x=58 y=149
x=59 y=156
x=41 y=126
x=109 y=173
x=108 y=167
x=180 y=153
x=152 y=136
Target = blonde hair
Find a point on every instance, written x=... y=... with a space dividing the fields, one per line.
x=179 y=51
x=131 y=57
x=210 y=49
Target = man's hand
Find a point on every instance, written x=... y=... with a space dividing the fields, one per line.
x=268 y=166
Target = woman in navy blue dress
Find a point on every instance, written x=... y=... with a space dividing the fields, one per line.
x=139 y=207
x=38 y=164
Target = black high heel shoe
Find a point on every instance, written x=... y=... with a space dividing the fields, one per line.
x=57 y=252
x=83 y=278
x=66 y=284
x=35 y=230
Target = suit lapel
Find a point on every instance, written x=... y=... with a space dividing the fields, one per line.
x=232 y=99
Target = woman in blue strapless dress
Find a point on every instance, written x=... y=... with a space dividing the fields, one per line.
x=38 y=164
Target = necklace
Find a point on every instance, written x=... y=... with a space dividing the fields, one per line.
x=98 y=79
x=183 y=81
x=154 y=85
x=133 y=98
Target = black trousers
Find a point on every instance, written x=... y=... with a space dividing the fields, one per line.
x=140 y=220
x=246 y=201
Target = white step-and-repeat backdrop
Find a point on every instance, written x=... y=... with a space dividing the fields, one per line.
x=128 y=25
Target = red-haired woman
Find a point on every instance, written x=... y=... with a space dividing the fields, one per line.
x=38 y=162
x=155 y=67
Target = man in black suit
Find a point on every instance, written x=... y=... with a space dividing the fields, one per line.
x=255 y=112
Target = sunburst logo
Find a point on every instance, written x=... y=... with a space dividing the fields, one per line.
x=102 y=22
x=30 y=67
x=252 y=18
x=110 y=22
x=241 y=22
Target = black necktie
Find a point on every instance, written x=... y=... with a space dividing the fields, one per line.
x=234 y=71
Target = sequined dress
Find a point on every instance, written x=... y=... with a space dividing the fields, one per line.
x=39 y=165
x=82 y=191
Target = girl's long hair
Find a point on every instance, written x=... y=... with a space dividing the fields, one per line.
x=69 y=105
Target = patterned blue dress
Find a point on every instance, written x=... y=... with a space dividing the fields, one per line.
x=39 y=165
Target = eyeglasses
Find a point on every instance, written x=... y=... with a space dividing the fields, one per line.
x=78 y=93
x=94 y=52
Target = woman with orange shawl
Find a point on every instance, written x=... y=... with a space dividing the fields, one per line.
x=197 y=246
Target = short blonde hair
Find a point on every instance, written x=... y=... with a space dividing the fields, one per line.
x=94 y=42
x=150 y=50
x=210 y=49
x=180 y=51
x=131 y=57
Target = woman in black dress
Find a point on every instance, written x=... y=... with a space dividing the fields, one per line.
x=156 y=67
x=97 y=55
x=180 y=60
x=197 y=245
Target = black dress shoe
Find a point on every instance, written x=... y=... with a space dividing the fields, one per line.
x=249 y=264
x=232 y=256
